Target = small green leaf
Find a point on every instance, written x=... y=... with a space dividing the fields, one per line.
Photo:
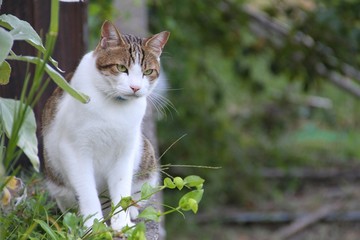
x=193 y=181
x=99 y=226
x=193 y=205
x=169 y=183
x=47 y=229
x=103 y=236
x=150 y=213
x=71 y=221
x=179 y=182
x=5 y=71
x=126 y=202
x=100 y=231
x=147 y=191
x=6 y=42
x=138 y=233
x=186 y=203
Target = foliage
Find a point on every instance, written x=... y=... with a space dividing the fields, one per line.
x=17 y=119
x=238 y=90
x=35 y=219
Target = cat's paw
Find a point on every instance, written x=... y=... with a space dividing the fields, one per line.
x=121 y=220
x=134 y=213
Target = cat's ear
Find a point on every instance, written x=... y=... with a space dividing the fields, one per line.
x=157 y=42
x=110 y=36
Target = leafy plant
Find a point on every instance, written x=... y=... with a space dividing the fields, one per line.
x=17 y=118
x=35 y=219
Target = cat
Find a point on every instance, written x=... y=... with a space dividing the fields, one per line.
x=98 y=148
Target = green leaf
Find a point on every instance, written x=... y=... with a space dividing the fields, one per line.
x=147 y=191
x=103 y=236
x=71 y=221
x=5 y=70
x=6 y=42
x=99 y=227
x=138 y=233
x=27 y=135
x=125 y=202
x=179 y=182
x=169 y=183
x=55 y=76
x=193 y=181
x=21 y=30
x=187 y=201
x=47 y=229
x=100 y=231
x=150 y=213
x=193 y=205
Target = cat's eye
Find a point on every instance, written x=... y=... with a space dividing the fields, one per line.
x=148 y=72
x=121 y=68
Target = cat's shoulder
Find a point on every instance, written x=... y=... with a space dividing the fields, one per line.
x=51 y=104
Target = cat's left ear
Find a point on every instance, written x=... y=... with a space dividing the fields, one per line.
x=157 y=42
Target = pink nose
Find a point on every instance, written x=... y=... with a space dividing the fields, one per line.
x=135 y=88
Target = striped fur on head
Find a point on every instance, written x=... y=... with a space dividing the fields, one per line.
x=115 y=49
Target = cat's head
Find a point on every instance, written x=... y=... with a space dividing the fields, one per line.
x=129 y=65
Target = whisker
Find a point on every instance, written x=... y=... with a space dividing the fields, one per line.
x=157 y=108
x=167 y=103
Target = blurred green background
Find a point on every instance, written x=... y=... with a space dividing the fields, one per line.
x=254 y=87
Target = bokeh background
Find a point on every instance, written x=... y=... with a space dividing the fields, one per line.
x=268 y=91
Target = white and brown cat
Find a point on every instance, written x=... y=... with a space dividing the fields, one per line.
x=98 y=147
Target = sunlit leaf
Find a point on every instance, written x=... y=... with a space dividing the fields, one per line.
x=179 y=182
x=187 y=202
x=193 y=181
x=169 y=183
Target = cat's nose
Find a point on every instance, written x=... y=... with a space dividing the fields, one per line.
x=135 y=88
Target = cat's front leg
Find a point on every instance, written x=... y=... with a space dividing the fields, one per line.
x=89 y=204
x=80 y=174
x=119 y=182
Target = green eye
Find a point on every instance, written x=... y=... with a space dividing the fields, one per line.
x=148 y=72
x=121 y=68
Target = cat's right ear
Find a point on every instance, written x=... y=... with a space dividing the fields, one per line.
x=110 y=36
